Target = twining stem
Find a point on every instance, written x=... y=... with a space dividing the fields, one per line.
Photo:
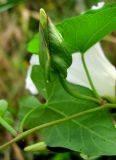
x=76 y=94
x=8 y=127
x=30 y=131
x=89 y=77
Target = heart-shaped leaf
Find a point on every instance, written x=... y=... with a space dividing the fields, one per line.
x=92 y=134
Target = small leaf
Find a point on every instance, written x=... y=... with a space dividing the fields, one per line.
x=3 y=107
x=4 y=112
x=34 y=45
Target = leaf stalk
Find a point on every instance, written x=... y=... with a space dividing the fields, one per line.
x=89 y=78
x=76 y=94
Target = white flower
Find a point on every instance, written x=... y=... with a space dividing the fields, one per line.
x=102 y=72
x=28 y=82
x=98 y=6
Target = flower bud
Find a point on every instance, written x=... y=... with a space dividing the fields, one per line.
x=53 y=48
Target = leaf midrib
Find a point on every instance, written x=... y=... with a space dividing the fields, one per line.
x=79 y=124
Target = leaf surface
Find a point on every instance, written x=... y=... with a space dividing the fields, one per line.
x=81 y=32
x=26 y=104
x=92 y=134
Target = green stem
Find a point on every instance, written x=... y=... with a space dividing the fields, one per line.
x=30 y=131
x=7 y=126
x=89 y=77
x=76 y=94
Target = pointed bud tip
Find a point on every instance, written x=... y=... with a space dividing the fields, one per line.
x=43 y=17
x=42 y=12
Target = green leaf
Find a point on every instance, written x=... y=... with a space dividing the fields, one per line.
x=26 y=104
x=4 y=112
x=3 y=107
x=81 y=32
x=8 y=117
x=9 y=4
x=92 y=134
x=38 y=79
x=61 y=156
x=34 y=45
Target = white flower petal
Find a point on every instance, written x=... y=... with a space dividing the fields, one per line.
x=102 y=72
x=34 y=59
x=98 y=6
x=28 y=82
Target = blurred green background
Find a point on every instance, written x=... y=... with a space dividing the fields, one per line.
x=17 y=27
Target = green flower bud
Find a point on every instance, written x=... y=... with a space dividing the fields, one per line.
x=54 y=54
x=40 y=146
